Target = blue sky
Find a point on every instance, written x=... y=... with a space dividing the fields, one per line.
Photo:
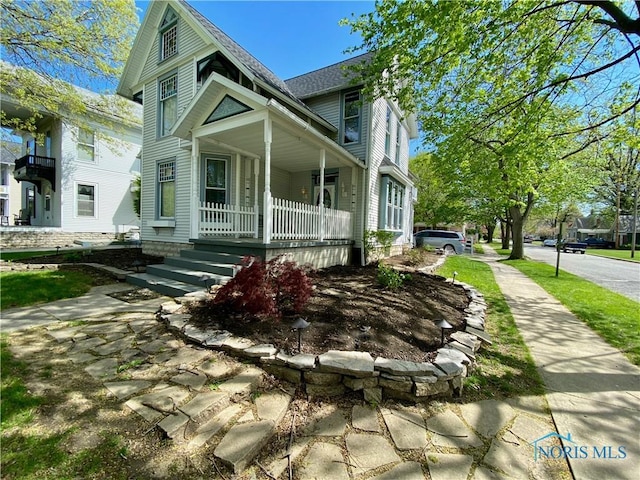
x=288 y=37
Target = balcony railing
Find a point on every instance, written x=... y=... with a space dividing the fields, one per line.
x=34 y=169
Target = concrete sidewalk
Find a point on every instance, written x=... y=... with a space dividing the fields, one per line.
x=592 y=389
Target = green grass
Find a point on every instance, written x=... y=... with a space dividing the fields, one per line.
x=621 y=254
x=20 y=289
x=613 y=316
x=506 y=368
x=30 y=450
x=9 y=256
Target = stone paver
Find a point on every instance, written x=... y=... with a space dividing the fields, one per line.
x=365 y=418
x=447 y=430
x=126 y=388
x=213 y=426
x=330 y=422
x=407 y=428
x=104 y=369
x=487 y=417
x=447 y=466
x=240 y=445
x=404 y=471
x=324 y=461
x=367 y=452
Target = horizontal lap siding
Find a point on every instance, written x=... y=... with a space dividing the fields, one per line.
x=158 y=149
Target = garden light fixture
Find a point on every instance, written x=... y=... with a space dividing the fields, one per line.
x=299 y=325
x=444 y=325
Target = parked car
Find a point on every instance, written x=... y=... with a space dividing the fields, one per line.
x=573 y=245
x=550 y=242
x=450 y=242
x=528 y=239
x=593 y=242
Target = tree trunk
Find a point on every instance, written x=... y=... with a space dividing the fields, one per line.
x=517 y=223
x=491 y=228
x=505 y=226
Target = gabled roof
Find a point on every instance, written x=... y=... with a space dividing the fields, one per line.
x=327 y=79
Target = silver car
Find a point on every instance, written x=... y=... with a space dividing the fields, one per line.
x=450 y=242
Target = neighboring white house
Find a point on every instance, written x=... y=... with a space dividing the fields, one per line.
x=233 y=155
x=9 y=187
x=75 y=175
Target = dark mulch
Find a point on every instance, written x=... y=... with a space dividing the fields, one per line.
x=350 y=311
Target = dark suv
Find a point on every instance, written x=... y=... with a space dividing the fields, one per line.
x=450 y=242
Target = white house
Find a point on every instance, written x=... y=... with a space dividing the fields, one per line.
x=75 y=176
x=237 y=161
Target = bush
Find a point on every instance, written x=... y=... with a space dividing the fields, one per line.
x=389 y=277
x=272 y=288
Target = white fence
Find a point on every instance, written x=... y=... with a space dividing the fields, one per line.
x=219 y=219
x=291 y=221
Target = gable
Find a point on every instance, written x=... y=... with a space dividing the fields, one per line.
x=228 y=107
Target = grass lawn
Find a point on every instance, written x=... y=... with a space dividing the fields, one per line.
x=9 y=256
x=19 y=289
x=621 y=254
x=31 y=450
x=506 y=368
x=613 y=316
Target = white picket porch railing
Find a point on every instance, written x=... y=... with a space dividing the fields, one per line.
x=291 y=221
x=219 y=219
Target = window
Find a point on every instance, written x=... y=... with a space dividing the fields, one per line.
x=387 y=137
x=168 y=104
x=391 y=204
x=216 y=180
x=398 y=132
x=169 y=35
x=217 y=63
x=85 y=200
x=86 y=145
x=227 y=107
x=351 y=118
x=167 y=189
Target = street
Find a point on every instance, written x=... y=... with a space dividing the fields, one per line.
x=616 y=275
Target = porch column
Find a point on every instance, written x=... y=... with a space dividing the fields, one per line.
x=256 y=175
x=321 y=196
x=267 y=204
x=195 y=187
x=237 y=220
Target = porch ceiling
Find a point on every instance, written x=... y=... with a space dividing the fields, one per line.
x=290 y=150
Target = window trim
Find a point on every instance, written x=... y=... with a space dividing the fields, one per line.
x=159 y=182
x=94 y=186
x=165 y=27
x=398 y=141
x=84 y=144
x=161 y=112
x=390 y=187
x=345 y=118
x=387 y=134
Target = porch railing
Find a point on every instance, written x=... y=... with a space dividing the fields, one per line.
x=220 y=219
x=291 y=221
x=301 y=221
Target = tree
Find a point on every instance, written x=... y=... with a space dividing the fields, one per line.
x=444 y=59
x=438 y=202
x=53 y=45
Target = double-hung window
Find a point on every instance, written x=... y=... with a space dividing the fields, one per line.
x=168 y=108
x=398 y=133
x=351 y=118
x=392 y=204
x=167 y=189
x=86 y=145
x=86 y=200
x=387 y=135
x=169 y=35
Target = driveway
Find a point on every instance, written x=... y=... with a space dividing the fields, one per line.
x=616 y=275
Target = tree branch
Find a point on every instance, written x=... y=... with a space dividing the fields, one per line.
x=621 y=21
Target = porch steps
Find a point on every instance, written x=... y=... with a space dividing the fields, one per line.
x=164 y=286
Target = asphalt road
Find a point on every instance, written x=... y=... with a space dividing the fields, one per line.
x=616 y=275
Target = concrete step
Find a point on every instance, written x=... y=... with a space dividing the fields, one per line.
x=224 y=269
x=211 y=256
x=187 y=275
x=164 y=286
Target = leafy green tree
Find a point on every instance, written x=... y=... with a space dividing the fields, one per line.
x=438 y=202
x=51 y=44
x=445 y=59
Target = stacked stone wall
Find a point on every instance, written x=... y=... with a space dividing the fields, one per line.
x=164 y=249
x=27 y=238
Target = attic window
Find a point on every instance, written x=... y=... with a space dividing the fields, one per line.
x=219 y=64
x=228 y=107
x=169 y=35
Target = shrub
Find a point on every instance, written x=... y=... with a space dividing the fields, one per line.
x=390 y=278
x=270 y=288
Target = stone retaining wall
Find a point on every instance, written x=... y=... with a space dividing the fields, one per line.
x=164 y=249
x=335 y=372
x=17 y=237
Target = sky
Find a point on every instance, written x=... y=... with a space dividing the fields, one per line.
x=288 y=37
